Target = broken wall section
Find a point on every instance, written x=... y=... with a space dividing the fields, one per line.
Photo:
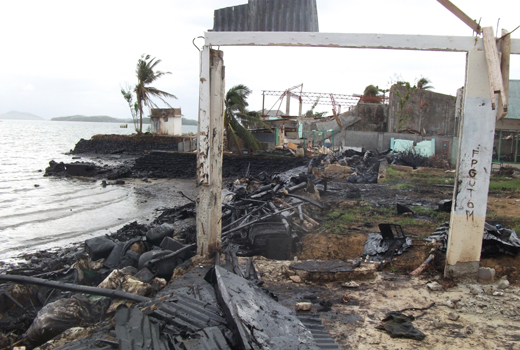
x=428 y=112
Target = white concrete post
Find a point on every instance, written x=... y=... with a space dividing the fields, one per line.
x=288 y=103
x=209 y=152
x=477 y=132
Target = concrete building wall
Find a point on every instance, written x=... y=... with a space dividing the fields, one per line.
x=372 y=117
x=430 y=113
x=381 y=140
x=166 y=121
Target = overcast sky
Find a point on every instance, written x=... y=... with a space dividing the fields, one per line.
x=71 y=57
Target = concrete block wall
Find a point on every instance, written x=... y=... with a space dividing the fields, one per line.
x=428 y=111
x=380 y=141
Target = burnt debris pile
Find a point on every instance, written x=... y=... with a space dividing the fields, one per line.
x=495 y=241
x=268 y=215
x=88 y=169
x=364 y=167
x=382 y=247
x=263 y=214
x=136 y=260
x=168 y=165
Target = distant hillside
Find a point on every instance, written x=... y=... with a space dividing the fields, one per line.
x=107 y=119
x=186 y=121
x=14 y=115
x=82 y=118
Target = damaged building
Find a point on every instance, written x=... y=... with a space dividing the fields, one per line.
x=423 y=116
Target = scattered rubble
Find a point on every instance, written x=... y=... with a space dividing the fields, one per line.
x=153 y=294
x=496 y=240
x=382 y=247
x=399 y=325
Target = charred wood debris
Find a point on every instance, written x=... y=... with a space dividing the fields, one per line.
x=262 y=214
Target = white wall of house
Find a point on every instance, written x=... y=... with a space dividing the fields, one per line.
x=166 y=121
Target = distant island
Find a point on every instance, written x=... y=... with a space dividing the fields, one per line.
x=14 y=115
x=107 y=119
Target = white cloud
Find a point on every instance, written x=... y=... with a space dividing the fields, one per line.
x=66 y=46
x=28 y=87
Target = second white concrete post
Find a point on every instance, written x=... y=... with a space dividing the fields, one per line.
x=477 y=133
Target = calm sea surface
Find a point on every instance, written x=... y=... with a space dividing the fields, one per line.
x=39 y=212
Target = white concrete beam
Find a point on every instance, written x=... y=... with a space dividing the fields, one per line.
x=209 y=152
x=470 y=195
x=359 y=41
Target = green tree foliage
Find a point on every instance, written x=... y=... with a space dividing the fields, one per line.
x=146 y=75
x=312 y=113
x=423 y=84
x=372 y=94
x=403 y=99
x=134 y=107
x=371 y=90
x=237 y=118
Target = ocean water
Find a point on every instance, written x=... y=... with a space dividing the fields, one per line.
x=39 y=212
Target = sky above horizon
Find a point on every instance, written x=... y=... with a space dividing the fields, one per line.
x=62 y=57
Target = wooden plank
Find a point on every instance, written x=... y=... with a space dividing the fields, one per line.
x=461 y=15
x=505 y=48
x=493 y=67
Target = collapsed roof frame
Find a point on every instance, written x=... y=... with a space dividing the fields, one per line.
x=475 y=143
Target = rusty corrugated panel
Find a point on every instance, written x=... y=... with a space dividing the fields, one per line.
x=268 y=16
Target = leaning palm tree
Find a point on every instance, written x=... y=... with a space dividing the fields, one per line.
x=237 y=117
x=143 y=92
x=423 y=84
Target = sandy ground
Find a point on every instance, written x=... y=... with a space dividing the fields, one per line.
x=488 y=317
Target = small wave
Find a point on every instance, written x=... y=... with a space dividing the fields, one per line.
x=65 y=212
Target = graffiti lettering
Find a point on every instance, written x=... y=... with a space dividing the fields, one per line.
x=472 y=182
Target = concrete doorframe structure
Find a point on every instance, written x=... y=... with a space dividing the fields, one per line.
x=475 y=143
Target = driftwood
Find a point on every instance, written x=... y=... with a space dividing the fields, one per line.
x=424 y=265
x=74 y=288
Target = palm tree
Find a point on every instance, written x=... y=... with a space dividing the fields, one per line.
x=311 y=113
x=371 y=94
x=371 y=90
x=237 y=117
x=143 y=92
x=134 y=107
x=422 y=84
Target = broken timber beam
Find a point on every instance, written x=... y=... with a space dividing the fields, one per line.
x=493 y=68
x=505 y=48
x=461 y=15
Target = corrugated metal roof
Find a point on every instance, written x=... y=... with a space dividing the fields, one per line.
x=320 y=335
x=514 y=100
x=268 y=16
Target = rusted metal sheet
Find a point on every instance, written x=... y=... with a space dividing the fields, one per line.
x=268 y=16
